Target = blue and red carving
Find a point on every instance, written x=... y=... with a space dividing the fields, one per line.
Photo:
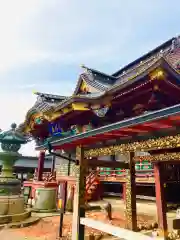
x=55 y=129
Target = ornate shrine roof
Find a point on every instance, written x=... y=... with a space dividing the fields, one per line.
x=166 y=55
x=45 y=102
x=166 y=48
x=129 y=133
x=98 y=80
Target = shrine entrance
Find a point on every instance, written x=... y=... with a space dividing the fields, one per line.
x=154 y=132
x=172 y=182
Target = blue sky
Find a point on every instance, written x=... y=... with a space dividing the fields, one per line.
x=43 y=43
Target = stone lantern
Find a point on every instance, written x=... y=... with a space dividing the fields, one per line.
x=11 y=199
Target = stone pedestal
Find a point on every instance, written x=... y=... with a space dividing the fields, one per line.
x=45 y=200
x=11 y=205
x=11 y=200
x=43 y=195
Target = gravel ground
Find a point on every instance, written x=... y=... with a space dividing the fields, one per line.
x=47 y=228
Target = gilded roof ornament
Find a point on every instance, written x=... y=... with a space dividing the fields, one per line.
x=82 y=66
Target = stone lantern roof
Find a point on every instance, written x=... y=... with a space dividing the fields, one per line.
x=12 y=139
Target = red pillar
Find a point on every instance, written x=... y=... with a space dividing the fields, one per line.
x=53 y=164
x=160 y=198
x=124 y=192
x=40 y=165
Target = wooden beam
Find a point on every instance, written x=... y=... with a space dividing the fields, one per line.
x=131 y=213
x=80 y=106
x=121 y=233
x=160 y=199
x=102 y=163
x=79 y=197
x=152 y=143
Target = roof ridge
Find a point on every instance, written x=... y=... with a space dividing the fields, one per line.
x=170 y=65
x=93 y=82
x=137 y=75
x=98 y=72
x=148 y=54
x=49 y=95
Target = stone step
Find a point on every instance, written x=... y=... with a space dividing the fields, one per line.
x=27 y=222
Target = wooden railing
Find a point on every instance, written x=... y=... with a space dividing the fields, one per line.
x=121 y=174
x=91 y=184
x=121 y=233
x=46 y=176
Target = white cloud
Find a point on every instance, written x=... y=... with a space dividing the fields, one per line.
x=69 y=31
x=12 y=14
x=32 y=31
x=13 y=107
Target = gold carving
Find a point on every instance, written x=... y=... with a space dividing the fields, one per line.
x=151 y=144
x=160 y=157
x=80 y=106
x=157 y=75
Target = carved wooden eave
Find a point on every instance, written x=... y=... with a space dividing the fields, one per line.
x=88 y=98
x=160 y=64
x=168 y=142
x=91 y=85
x=72 y=104
x=151 y=131
x=84 y=83
x=146 y=72
x=166 y=157
x=95 y=81
x=86 y=102
x=163 y=58
x=53 y=115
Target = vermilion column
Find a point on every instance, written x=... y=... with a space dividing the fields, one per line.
x=124 y=192
x=53 y=164
x=40 y=165
x=160 y=198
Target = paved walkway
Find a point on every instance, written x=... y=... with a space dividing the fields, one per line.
x=143 y=207
x=146 y=208
x=9 y=234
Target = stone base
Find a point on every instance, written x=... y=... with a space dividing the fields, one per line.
x=39 y=184
x=25 y=223
x=10 y=205
x=9 y=186
x=4 y=219
x=44 y=210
